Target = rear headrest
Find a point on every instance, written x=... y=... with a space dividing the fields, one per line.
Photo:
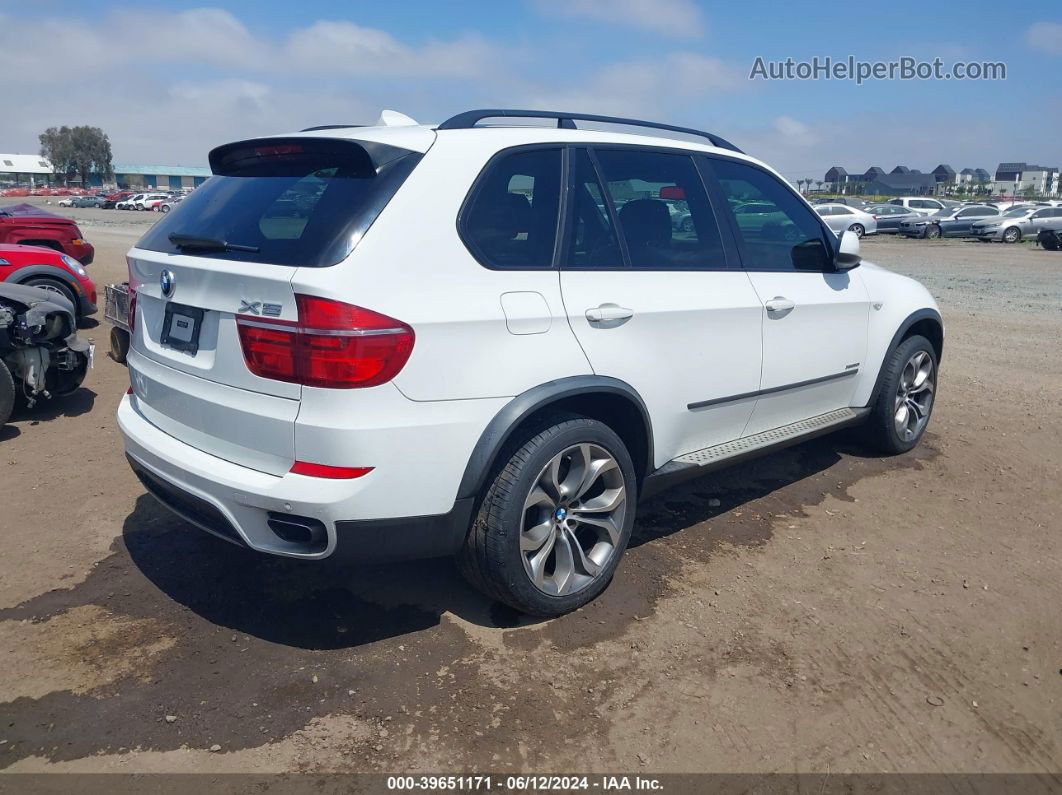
x=646 y=222
x=509 y=215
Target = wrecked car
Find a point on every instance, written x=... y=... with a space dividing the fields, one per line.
x=41 y=355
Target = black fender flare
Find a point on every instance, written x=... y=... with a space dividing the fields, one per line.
x=52 y=272
x=915 y=317
x=500 y=428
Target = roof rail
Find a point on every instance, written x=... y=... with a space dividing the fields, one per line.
x=330 y=127
x=469 y=119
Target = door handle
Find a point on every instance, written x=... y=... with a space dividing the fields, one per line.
x=780 y=304
x=608 y=312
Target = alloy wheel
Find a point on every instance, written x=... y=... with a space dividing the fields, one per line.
x=914 y=396
x=573 y=519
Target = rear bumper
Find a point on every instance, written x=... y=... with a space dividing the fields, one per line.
x=237 y=503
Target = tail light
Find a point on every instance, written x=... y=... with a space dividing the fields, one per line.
x=333 y=345
x=132 y=310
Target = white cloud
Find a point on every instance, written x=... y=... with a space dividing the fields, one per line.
x=648 y=87
x=795 y=131
x=344 y=47
x=674 y=18
x=1045 y=36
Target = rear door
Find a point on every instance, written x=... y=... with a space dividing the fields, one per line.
x=653 y=297
x=814 y=320
x=229 y=252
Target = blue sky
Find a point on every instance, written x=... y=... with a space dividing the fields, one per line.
x=169 y=80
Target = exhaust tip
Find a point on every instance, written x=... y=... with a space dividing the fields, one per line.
x=304 y=531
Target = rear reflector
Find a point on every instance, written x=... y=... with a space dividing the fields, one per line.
x=324 y=471
x=333 y=345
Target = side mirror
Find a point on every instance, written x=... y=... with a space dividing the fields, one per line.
x=847 y=256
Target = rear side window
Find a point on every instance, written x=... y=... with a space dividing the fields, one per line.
x=662 y=210
x=511 y=221
x=787 y=237
x=295 y=201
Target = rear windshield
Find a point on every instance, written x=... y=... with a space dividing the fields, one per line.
x=293 y=201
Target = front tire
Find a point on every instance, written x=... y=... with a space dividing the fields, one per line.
x=556 y=519
x=932 y=232
x=56 y=287
x=1012 y=235
x=900 y=415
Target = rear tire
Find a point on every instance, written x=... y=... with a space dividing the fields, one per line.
x=858 y=229
x=904 y=405
x=7 y=394
x=555 y=521
x=119 y=344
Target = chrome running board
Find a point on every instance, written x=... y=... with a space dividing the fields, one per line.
x=699 y=462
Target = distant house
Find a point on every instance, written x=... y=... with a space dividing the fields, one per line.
x=900 y=170
x=902 y=185
x=982 y=175
x=873 y=173
x=1025 y=179
x=944 y=173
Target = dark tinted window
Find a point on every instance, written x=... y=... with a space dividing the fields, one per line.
x=662 y=209
x=512 y=220
x=788 y=237
x=592 y=243
x=302 y=202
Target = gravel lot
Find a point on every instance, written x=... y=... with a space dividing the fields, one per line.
x=816 y=610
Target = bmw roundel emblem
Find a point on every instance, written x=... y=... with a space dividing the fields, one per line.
x=168 y=282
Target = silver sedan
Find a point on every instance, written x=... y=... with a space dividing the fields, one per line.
x=840 y=217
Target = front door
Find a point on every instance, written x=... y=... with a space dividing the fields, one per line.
x=814 y=319
x=652 y=298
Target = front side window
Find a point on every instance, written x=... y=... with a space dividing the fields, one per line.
x=662 y=210
x=787 y=237
x=512 y=220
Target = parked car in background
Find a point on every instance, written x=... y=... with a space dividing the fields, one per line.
x=67 y=201
x=920 y=204
x=149 y=199
x=129 y=203
x=1050 y=237
x=88 y=201
x=848 y=201
x=267 y=407
x=35 y=266
x=889 y=216
x=112 y=198
x=1015 y=224
x=840 y=218
x=169 y=204
x=30 y=225
x=953 y=222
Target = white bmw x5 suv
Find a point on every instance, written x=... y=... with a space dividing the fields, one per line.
x=489 y=340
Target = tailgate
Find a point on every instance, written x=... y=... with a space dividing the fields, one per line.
x=199 y=389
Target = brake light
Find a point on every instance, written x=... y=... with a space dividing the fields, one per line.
x=325 y=471
x=333 y=345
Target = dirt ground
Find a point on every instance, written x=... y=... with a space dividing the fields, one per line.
x=816 y=610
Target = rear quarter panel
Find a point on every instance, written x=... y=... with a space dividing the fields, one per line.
x=413 y=266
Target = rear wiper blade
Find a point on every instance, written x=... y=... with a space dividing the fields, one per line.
x=207 y=243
